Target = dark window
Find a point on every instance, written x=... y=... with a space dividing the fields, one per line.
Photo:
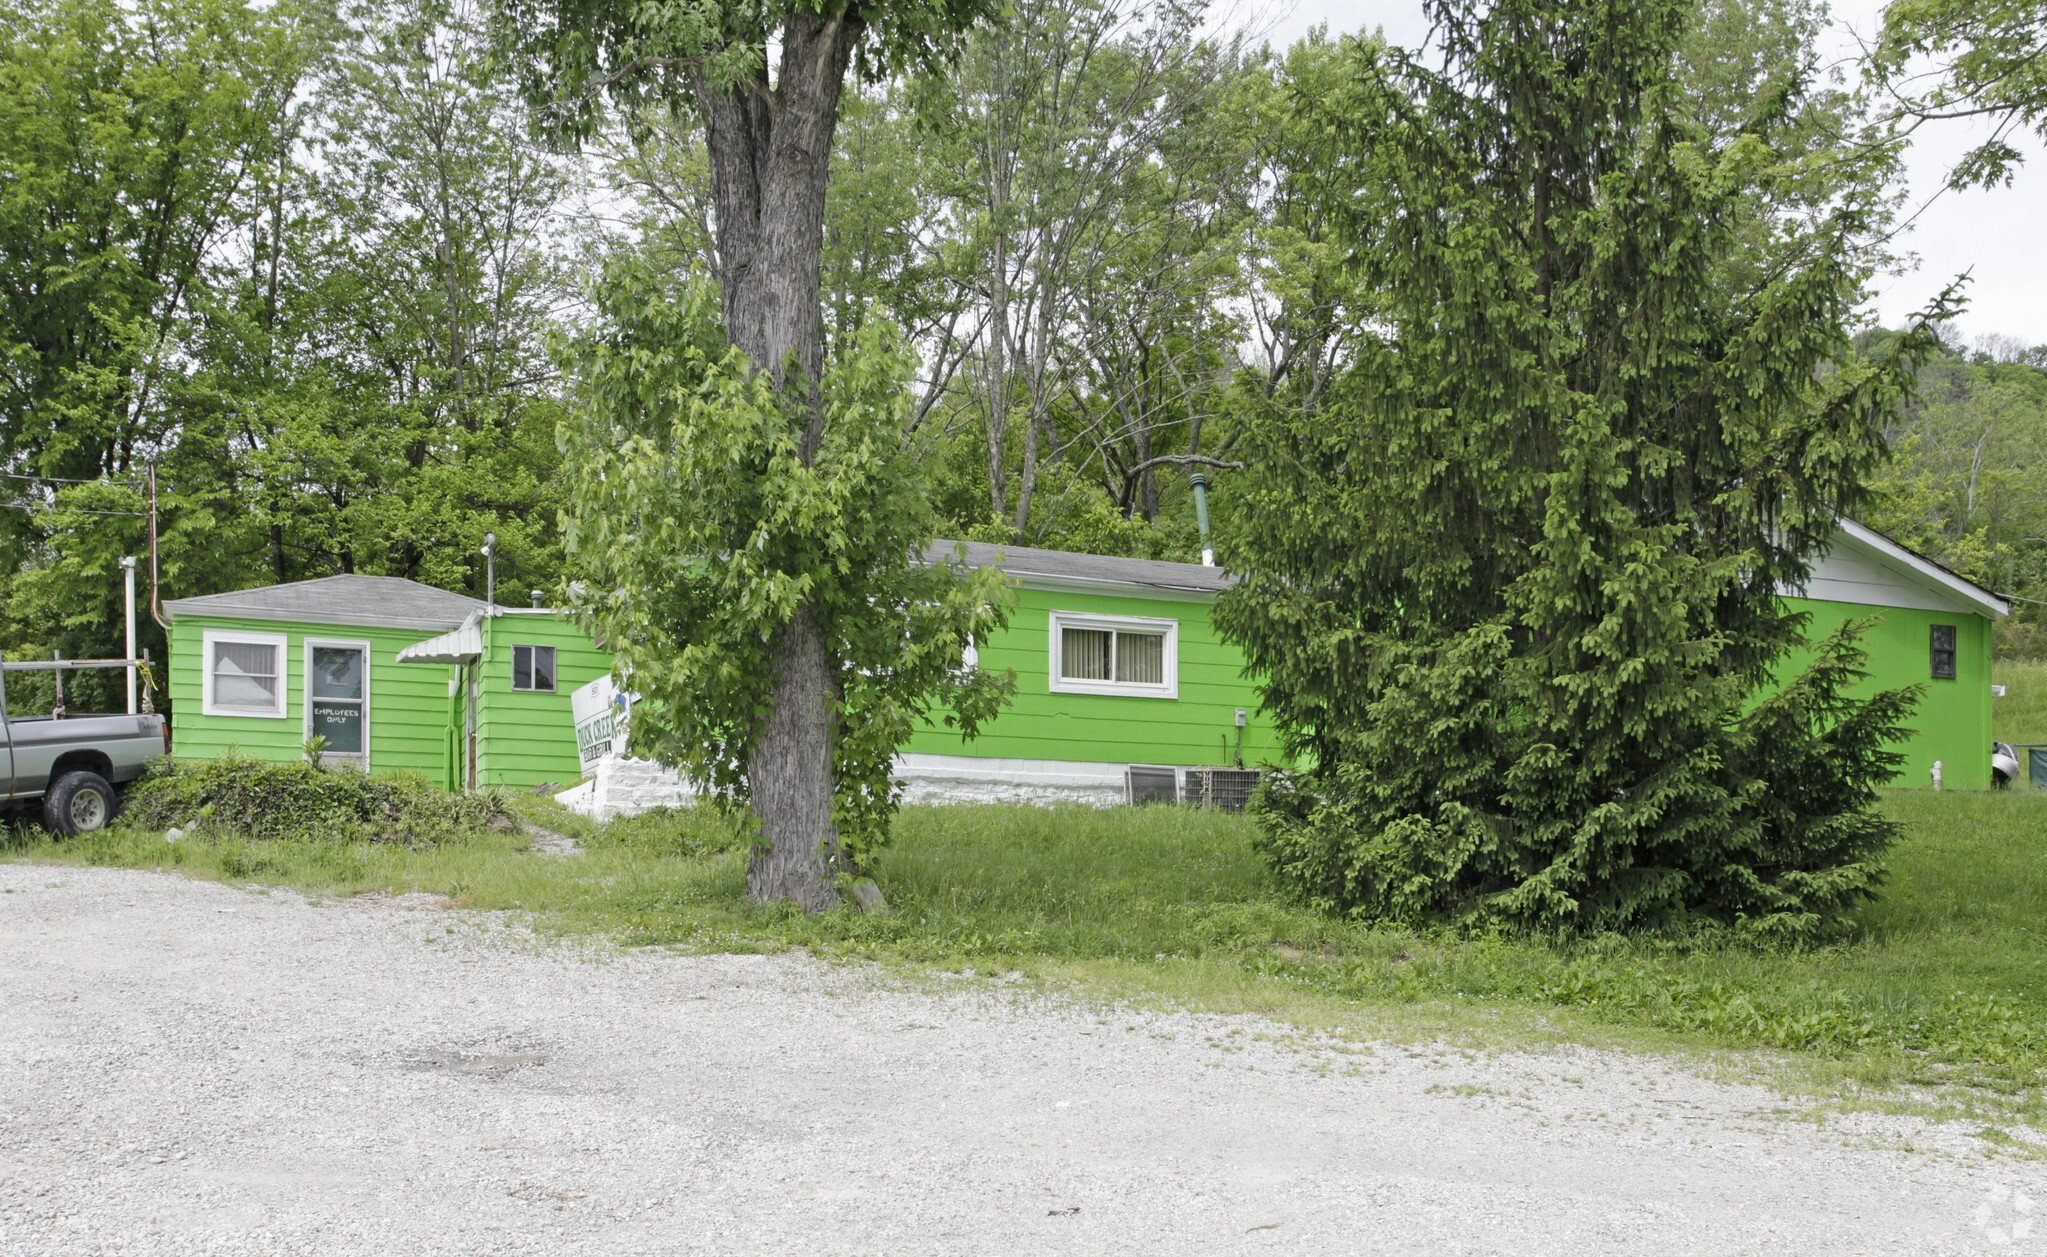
x=1944 y=651
x=1151 y=785
x=533 y=668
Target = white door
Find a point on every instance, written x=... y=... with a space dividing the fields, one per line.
x=338 y=701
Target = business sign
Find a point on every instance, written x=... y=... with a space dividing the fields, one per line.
x=600 y=709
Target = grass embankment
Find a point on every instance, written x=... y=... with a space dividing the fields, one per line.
x=1942 y=981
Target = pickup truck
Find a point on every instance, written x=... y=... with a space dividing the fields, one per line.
x=74 y=762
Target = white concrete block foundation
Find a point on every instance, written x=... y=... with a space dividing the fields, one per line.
x=627 y=787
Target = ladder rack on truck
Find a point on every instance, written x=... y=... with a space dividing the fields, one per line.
x=74 y=762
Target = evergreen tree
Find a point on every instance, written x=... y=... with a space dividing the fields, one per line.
x=1511 y=576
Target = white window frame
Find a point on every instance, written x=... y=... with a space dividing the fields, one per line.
x=361 y=757
x=553 y=676
x=277 y=641
x=1063 y=620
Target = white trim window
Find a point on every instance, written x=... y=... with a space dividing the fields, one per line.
x=244 y=674
x=1130 y=656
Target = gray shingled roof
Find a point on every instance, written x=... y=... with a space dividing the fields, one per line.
x=1023 y=562
x=365 y=601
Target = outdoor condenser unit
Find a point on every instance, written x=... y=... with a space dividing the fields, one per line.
x=1224 y=789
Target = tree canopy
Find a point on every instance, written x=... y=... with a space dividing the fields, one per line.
x=1511 y=574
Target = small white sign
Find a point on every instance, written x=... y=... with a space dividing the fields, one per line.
x=1997 y=691
x=600 y=710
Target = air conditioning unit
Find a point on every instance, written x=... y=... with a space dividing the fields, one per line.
x=1144 y=783
x=1224 y=789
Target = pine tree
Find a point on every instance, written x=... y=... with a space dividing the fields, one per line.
x=1511 y=578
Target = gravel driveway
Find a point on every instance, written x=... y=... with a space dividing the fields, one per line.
x=192 y=1068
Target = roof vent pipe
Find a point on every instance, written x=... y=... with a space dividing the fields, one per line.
x=1200 y=483
x=539 y=600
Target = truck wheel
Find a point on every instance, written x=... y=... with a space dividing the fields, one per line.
x=78 y=803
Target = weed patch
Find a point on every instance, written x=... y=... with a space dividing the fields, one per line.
x=249 y=798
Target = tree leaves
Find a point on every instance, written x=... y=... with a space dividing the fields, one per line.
x=1511 y=577
x=704 y=533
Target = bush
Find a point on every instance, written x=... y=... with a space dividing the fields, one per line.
x=261 y=800
x=1769 y=825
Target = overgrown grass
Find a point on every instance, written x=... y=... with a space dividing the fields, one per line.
x=2021 y=715
x=1943 y=981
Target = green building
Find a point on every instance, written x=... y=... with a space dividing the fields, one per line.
x=391 y=675
x=1123 y=685
x=1933 y=627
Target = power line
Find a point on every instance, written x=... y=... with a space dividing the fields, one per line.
x=69 y=510
x=15 y=475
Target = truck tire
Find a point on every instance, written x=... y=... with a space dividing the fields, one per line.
x=78 y=802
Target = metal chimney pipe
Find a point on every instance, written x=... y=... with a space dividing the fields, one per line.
x=1200 y=483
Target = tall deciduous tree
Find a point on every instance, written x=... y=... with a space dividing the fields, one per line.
x=1512 y=580
x=1990 y=62
x=133 y=136
x=130 y=134
x=334 y=352
x=703 y=529
x=1099 y=162
x=767 y=81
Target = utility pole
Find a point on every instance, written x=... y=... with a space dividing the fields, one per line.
x=155 y=599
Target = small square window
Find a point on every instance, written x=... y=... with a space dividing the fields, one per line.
x=533 y=668
x=244 y=674
x=1944 y=651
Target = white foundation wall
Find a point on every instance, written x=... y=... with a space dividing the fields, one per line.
x=627 y=787
x=969 y=779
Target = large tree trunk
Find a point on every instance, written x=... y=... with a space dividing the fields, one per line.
x=770 y=155
x=790 y=776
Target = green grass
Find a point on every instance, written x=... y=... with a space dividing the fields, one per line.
x=2021 y=715
x=1943 y=981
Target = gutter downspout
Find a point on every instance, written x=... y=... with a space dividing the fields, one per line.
x=469 y=685
x=1200 y=483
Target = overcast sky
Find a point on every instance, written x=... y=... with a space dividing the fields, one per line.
x=1996 y=235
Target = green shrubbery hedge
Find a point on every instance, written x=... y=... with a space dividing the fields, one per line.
x=263 y=800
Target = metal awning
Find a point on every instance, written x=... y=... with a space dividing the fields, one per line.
x=462 y=646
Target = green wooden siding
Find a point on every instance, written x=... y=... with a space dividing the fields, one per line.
x=525 y=738
x=1193 y=729
x=408 y=703
x=1952 y=721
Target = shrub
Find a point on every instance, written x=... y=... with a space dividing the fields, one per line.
x=261 y=800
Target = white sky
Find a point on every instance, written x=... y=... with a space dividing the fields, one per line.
x=1997 y=235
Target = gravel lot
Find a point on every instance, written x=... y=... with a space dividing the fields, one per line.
x=193 y=1068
